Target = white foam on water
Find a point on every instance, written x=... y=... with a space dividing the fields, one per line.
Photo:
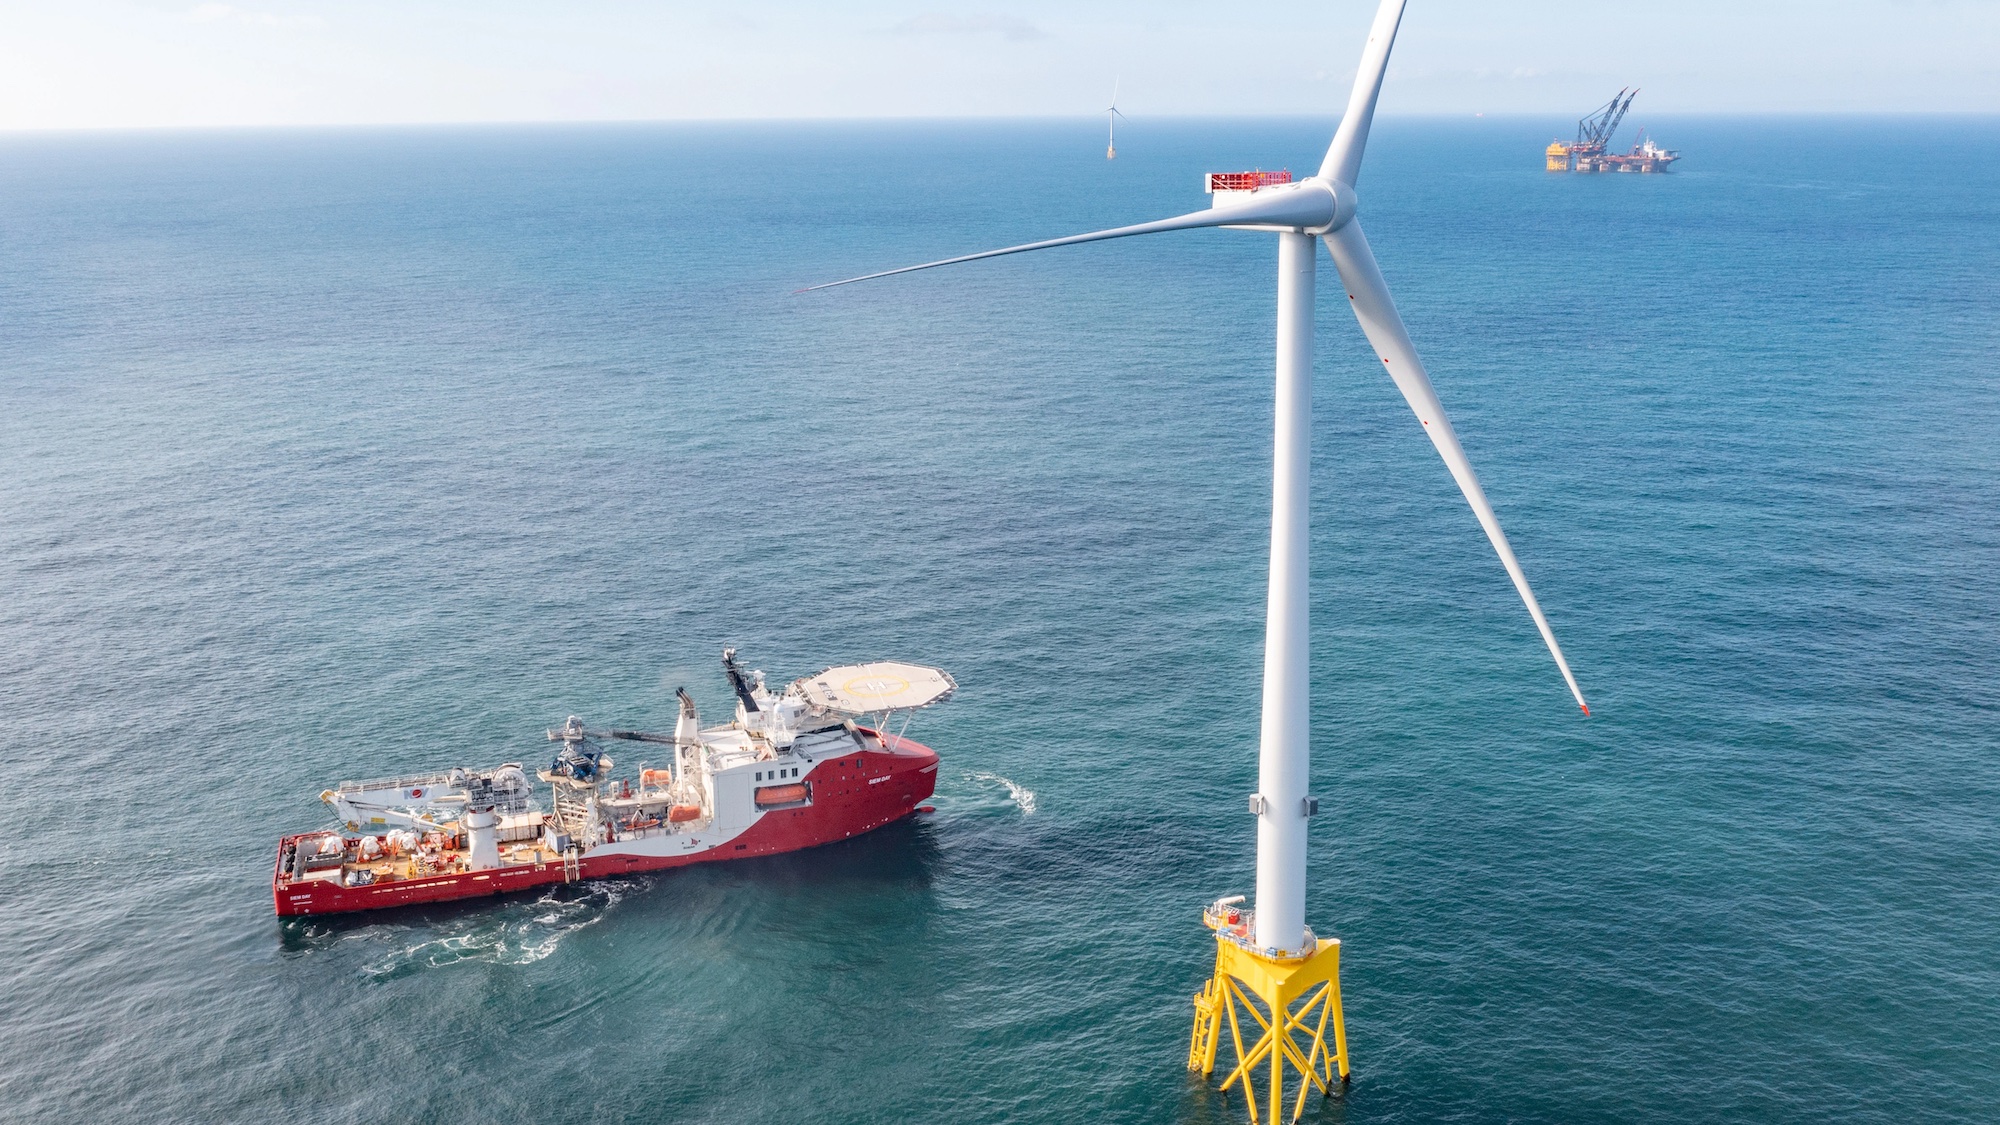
x=1020 y=794
x=505 y=937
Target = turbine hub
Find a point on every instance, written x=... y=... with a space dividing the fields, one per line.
x=1345 y=203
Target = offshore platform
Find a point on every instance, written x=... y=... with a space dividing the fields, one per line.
x=1593 y=138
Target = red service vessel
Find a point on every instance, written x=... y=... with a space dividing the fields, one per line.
x=794 y=769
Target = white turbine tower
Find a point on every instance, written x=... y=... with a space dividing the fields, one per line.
x=1271 y=953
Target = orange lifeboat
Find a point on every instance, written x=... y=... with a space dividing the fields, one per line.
x=681 y=814
x=655 y=779
x=781 y=794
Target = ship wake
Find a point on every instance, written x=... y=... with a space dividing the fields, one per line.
x=1022 y=796
x=520 y=934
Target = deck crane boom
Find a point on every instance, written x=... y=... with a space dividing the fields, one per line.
x=1593 y=133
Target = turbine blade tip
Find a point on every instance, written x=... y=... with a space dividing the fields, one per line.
x=1586 y=709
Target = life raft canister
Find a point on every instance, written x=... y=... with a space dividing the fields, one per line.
x=781 y=794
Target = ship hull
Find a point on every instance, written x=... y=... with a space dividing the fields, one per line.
x=850 y=796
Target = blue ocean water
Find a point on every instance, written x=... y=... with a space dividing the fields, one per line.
x=336 y=453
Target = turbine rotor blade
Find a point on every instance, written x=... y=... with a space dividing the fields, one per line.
x=1305 y=206
x=1376 y=311
x=1343 y=157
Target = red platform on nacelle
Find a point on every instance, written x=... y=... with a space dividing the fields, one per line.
x=1244 y=181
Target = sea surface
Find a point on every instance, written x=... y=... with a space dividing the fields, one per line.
x=332 y=454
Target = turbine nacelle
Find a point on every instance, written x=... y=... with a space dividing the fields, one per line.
x=1310 y=206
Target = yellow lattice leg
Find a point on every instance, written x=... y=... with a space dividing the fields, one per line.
x=1322 y=1056
x=1309 y=1064
x=1339 y=1026
x=1277 y=1059
x=1242 y=1061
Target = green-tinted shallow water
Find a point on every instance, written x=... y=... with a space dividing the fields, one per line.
x=332 y=454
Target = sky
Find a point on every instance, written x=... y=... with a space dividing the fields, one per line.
x=93 y=64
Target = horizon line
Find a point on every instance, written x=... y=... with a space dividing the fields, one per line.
x=911 y=119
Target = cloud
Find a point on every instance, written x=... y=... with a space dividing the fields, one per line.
x=1013 y=28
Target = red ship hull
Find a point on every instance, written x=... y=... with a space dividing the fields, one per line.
x=853 y=795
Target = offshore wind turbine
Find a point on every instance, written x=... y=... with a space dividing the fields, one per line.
x=1268 y=953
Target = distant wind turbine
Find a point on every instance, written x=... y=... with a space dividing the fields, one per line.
x=1111 y=116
